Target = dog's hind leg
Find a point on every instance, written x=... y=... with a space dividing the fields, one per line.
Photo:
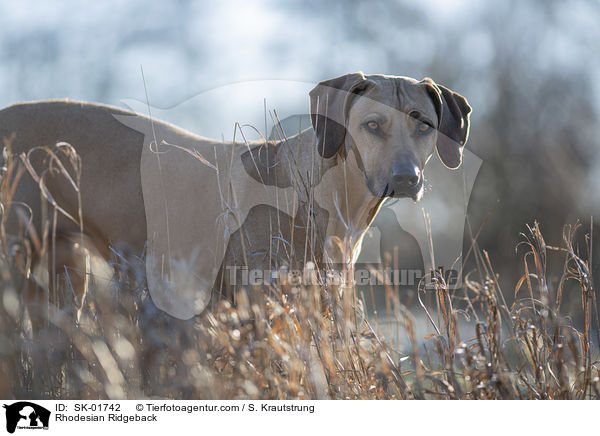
x=58 y=293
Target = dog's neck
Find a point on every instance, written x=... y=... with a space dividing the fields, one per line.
x=335 y=184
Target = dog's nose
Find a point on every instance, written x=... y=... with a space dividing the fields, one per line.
x=406 y=176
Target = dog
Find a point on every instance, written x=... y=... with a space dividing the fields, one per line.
x=203 y=210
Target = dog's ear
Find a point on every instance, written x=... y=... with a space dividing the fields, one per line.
x=453 y=122
x=329 y=102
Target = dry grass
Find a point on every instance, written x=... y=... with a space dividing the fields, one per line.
x=292 y=342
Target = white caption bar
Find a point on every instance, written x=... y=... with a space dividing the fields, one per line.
x=294 y=417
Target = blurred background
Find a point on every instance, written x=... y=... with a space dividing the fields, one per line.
x=527 y=68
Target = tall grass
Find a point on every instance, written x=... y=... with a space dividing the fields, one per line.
x=303 y=342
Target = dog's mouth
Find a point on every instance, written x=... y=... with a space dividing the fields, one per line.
x=390 y=191
x=415 y=193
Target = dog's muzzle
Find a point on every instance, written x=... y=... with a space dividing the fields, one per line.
x=406 y=181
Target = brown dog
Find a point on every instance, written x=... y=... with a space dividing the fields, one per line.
x=201 y=207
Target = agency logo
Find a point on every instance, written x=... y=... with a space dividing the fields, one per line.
x=26 y=415
x=270 y=188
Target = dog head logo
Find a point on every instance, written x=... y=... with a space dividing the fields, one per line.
x=26 y=415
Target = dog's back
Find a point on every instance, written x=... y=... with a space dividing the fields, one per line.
x=108 y=151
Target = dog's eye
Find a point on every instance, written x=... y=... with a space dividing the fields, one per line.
x=373 y=125
x=424 y=126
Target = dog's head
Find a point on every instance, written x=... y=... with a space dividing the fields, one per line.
x=393 y=124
